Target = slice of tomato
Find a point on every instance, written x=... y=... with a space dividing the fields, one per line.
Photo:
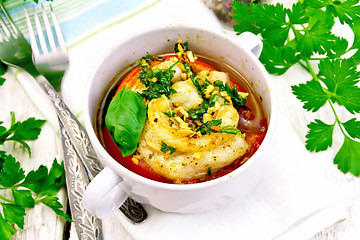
x=130 y=80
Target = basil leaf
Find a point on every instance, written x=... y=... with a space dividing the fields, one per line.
x=125 y=120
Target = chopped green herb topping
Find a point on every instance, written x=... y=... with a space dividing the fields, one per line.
x=206 y=127
x=209 y=173
x=166 y=148
x=238 y=101
x=213 y=99
x=162 y=82
x=184 y=46
x=148 y=59
x=230 y=130
x=201 y=88
x=169 y=114
x=188 y=69
x=197 y=114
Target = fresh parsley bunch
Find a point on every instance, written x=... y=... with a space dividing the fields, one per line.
x=37 y=186
x=303 y=35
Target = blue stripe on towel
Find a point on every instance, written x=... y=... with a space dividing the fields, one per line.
x=96 y=15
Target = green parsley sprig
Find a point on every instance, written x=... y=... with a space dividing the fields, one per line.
x=21 y=131
x=37 y=186
x=303 y=35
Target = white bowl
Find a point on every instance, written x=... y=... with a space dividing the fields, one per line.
x=110 y=188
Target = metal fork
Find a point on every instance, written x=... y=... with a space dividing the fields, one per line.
x=51 y=63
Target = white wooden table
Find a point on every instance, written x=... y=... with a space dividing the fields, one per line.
x=42 y=223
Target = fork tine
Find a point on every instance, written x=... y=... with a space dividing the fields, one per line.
x=12 y=24
x=5 y=29
x=39 y=30
x=48 y=30
x=33 y=42
x=59 y=35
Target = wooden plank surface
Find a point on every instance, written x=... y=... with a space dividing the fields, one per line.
x=42 y=223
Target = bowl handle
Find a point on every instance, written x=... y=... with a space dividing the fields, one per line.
x=105 y=193
x=251 y=42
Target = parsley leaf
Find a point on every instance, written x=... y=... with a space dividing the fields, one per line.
x=276 y=16
x=39 y=183
x=11 y=172
x=319 y=137
x=2 y=159
x=298 y=14
x=352 y=127
x=315 y=36
x=356 y=29
x=33 y=179
x=340 y=77
x=356 y=43
x=280 y=60
x=43 y=183
x=347 y=158
x=23 y=198
x=14 y=214
x=312 y=94
x=347 y=11
x=53 y=203
x=246 y=21
x=6 y=230
x=21 y=131
x=338 y=48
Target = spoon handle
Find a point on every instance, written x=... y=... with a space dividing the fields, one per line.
x=87 y=226
x=84 y=149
